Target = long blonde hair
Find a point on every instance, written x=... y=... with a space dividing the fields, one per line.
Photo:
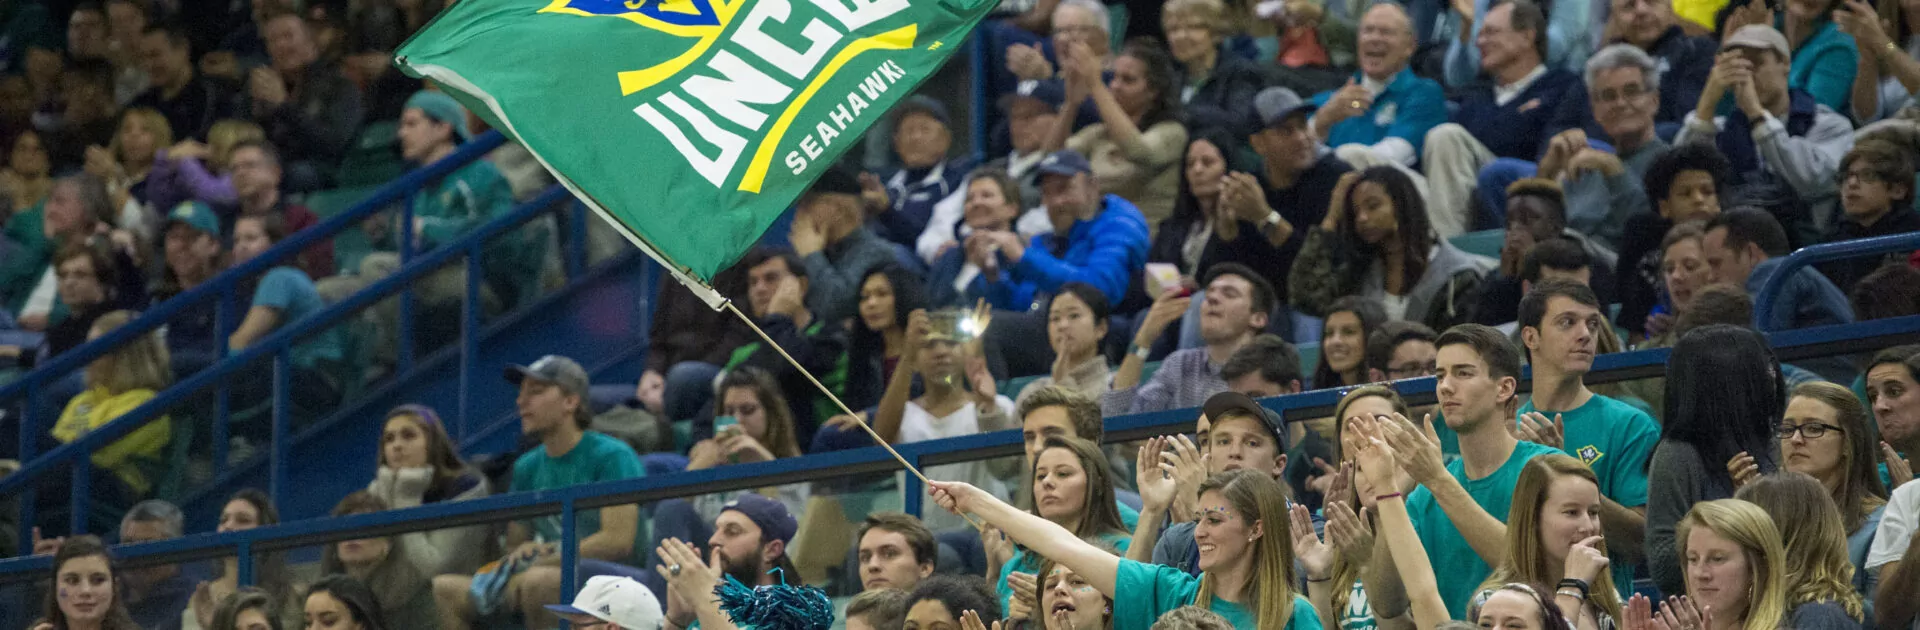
x=1748 y=526
x=1346 y=573
x=140 y=364
x=1527 y=560
x=1817 y=567
x=1269 y=589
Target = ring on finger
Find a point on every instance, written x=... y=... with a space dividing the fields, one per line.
x=673 y=570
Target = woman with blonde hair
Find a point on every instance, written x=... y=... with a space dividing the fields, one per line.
x=1735 y=566
x=1335 y=568
x=1827 y=435
x=1216 y=86
x=126 y=161
x=1554 y=542
x=1819 y=579
x=1246 y=555
x=190 y=170
x=118 y=383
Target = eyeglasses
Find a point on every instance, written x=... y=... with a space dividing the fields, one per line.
x=1630 y=93
x=1412 y=370
x=1811 y=430
x=1866 y=176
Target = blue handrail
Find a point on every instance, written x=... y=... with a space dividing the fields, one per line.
x=278 y=345
x=1814 y=254
x=32 y=383
x=1295 y=408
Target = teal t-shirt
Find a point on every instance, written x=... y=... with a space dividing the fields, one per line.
x=291 y=292
x=1446 y=549
x=1029 y=563
x=1153 y=590
x=1615 y=439
x=598 y=457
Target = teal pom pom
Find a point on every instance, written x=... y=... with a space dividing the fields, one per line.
x=778 y=607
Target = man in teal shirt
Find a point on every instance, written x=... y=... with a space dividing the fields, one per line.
x=1559 y=322
x=1460 y=509
x=554 y=410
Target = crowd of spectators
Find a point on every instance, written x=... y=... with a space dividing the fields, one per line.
x=1160 y=226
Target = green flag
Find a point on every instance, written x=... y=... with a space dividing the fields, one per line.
x=690 y=124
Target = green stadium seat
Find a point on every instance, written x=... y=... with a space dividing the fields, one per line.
x=1482 y=243
x=374 y=158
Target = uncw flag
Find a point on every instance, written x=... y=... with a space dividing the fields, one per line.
x=691 y=124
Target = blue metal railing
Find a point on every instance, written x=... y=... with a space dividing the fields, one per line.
x=32 y=384
x=1822 y=341
x=277 y=346
x=1763 y=303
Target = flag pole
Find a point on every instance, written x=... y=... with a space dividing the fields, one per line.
x=729 y=305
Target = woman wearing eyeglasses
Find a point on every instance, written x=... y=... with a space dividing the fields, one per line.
x=1825 y=435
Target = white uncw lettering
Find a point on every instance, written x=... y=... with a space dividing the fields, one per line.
x=864 y=12
x=715 y=169
x=796 y=63
x=741 y=84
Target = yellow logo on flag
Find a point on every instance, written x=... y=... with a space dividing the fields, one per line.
x=698 y=20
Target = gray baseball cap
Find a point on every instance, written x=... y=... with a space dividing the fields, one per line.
x=554 y=369
x=1275 y=104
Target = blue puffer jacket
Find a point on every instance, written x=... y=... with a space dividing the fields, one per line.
x=1103 y=251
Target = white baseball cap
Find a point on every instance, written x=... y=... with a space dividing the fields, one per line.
x=616 y=600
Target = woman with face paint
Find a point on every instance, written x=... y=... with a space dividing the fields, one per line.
x=1246 y=556
x=85 y=591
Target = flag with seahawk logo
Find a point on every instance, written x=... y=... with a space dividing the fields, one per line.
x=689 y=124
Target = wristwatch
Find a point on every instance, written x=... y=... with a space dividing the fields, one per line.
x=1139 y=350
x=1273 y=219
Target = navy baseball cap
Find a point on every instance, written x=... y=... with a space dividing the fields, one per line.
x=1226 y=404
x=921 y=104
x=1048 y=91
x=1065 y=162
x=775 y=522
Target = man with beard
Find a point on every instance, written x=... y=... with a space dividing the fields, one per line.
x=749 y=541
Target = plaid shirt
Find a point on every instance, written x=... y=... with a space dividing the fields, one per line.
x=1185 y=379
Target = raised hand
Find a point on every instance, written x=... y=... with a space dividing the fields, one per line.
x=1743 y=469
x=1168 y=308
x=1417 y=449
x=996 y=545
x=1314 y=554
x=1585 y=560
x=970 y=620
x=1025 y=598
x=1337 y=206
x=1534 y=427
x=1899 y=470
x=1153 y=474
x=1349 y=532
x=1638 y=613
